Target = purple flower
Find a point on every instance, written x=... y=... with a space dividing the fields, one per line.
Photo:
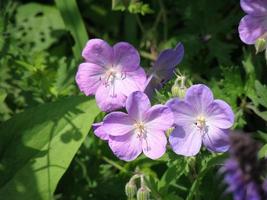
x=111 y=73
x=254 y=25
x=199 y=118
x=164 y=68
x=142 y=129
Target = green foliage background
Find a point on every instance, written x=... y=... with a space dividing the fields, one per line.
x=45 y=121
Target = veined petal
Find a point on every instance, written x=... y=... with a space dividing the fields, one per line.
x=254 y=7
x=154 y=144
x=159 y=118
x=251 y=28
x=137 y=104
x=88 y=77
x=199 y=96
x=185 y=140
x=99 y=132
x=184 y=114
x=108 y=98
x=98 y=51
x=220 y=114
x=127 y=147
x=117 y=123
x=132 y=81
x=216 y=139
x=126 y=57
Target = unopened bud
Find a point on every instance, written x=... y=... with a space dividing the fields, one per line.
x=130 y=189
x=143 y=193
x=260 y=45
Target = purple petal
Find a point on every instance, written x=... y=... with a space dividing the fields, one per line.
x=199 y=96
x=98 y=51
x=126 y=57
x=216 y=139
x=99 y=131
x=159 y=118
x=254 y=7
x=185 y=140
x=133 y=81
x=88 y=77
x=127 y=147
x=220 y=114
x=152 y=84
x=154 y=145
x=166 y=62
x=251 y=28
x=117 y=123
x=108 y=98
x=184 y=113
x=137 y=104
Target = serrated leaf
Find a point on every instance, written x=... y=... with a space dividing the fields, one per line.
x=37 y=146
x=261 y=91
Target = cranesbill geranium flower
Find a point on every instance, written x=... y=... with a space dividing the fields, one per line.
x=200 y=119
x=141 y=130
x=111 y=73
x=164 y=67
x=99 y=132
x=254 y=25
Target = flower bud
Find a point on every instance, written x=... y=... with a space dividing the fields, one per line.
x=260 y=45
x=143 y=193
x=130 y=189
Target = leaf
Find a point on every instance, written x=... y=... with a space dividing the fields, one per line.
x=263 y=151
x=37 y=25
x=37 y=146
x=74 y=23
x=262 y=114
x=261 y=91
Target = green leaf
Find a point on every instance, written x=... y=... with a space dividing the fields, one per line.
x=261 y=91
x=74 y=23
x=262 y=114
x=37 y=25
x=37 y=146
x=263 y=151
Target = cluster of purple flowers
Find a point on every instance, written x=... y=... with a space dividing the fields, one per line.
x=115 y=77
x=244 y=170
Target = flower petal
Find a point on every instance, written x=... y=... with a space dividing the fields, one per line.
x=127 y=147
x=220 y=114
x=133 y=81
x=216 y=139
x=126 y=57
x=137 y=104
x=159 y=118
x=254 y=7
x=166 y=62
x=185 y=140
x=154 y=145
x=88 y=77
x=98 y=51
x=151 y=85
x=99 y=132
x=199 y=96
x=108 y=98
x=117 y=123
x=251 y=28
x=184 y=114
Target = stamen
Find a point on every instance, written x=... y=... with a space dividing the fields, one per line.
x=141 y=133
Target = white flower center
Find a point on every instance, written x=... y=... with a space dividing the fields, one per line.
x=201 y=124
x=110 y=77
x=141 y=131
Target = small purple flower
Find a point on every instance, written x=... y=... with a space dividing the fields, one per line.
x=199 y=118
x=141 y=130
x=111 y=73
x=164 y=68
x=254 y=25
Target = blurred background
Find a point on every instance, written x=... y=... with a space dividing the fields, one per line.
x=40 y=50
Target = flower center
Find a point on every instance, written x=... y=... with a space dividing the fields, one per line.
x=201 y=122
x=140 y=129
x=110 y=78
